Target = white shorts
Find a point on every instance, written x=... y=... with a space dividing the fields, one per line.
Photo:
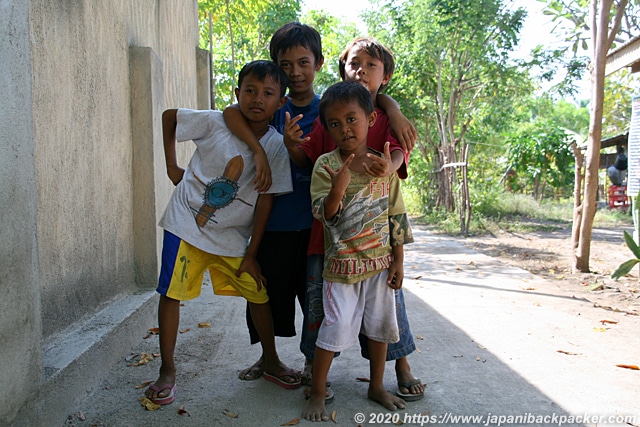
x=366 y=307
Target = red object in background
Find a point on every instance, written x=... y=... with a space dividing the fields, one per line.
x=618 y=197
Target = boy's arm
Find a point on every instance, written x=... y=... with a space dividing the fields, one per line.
x=339 y=182
x=401 y=127
x=396 y=269
x=169 y=124
x=239 y=126
x=293 y=137
x=260 y=217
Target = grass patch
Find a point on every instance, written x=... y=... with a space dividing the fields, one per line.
x=517 y=213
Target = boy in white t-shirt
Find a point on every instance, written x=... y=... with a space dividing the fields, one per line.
x=215 y=218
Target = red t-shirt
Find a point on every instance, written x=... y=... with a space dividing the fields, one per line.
x=320 y=142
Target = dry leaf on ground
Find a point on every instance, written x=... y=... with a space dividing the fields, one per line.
x=144 y=384
x=148 y=404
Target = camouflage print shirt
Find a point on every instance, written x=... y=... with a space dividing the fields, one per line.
x=358 y=240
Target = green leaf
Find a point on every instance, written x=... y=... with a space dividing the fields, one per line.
x=624 y=268
x=632 y=244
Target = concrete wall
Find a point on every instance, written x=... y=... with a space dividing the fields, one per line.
x=20 y=322
x=83 y=185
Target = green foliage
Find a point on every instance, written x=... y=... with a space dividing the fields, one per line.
x=540 y=154
x=626 y=266
x=335 y=36
x=240 y=32
x=616 y=109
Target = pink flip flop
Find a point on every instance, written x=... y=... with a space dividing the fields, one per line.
x=277 y=379
x=168 y=398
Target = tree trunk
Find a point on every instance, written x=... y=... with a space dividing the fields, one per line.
x=577 y=197
x=601 y=40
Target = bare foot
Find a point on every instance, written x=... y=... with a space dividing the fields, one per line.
x=307 y=373
x=386 y=399
x=253 y=372
x=315 y=409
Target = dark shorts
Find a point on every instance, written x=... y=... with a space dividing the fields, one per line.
x=283 y=259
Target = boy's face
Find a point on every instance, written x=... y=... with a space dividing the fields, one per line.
x=348 y=124
x=364 y=68
x=300 y=65
x=258 y=100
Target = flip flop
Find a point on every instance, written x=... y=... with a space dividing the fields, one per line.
x=409 y=397
x=168 y=398
x=277 y=379
x=327 y=399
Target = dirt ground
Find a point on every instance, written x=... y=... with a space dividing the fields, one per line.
x=548 y=254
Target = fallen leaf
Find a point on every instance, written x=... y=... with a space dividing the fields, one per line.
x=560 y=277
x=399 y=422
x=154 y=331
x=156 y=354
x=599 y=329
x=182 y=331
x=144 y=359
x=537 y=304
x=552 y=271
x=204 y=325
x=363 y=379
x=230 y=414
x=144 y=384
x=419 y=337
x=633 y=367
x=458 y=356
x=567 y=352
x=182 y=411
x=417 y=277
x=293 y=422
x=481 y=347
x=333 y=416
x=148 y=404
x=609 y=321
x=529 y=289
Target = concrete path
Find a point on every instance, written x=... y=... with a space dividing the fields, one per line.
x=496 y=346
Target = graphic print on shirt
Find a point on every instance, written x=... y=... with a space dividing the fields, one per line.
x=360 y=212
x=219 y=192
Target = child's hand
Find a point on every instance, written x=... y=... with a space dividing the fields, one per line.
x=250 y=265
x=262 y=180
x=396 y=275
x=175 y=174
x=340 y=178
x=380 y=166
x=292 y=131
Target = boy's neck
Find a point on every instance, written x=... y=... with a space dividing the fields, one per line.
x=302 y=99
x=374 y=98
x=259 y=128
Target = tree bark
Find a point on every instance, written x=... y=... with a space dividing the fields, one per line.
x=601 y=43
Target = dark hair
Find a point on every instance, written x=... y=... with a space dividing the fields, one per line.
x=374 y=48
x=295 y=34
x=345 y=92
x=263 y=69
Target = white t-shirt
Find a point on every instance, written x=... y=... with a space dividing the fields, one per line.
x=212 y=207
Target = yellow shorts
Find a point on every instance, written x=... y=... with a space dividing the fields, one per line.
x=183 y=267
